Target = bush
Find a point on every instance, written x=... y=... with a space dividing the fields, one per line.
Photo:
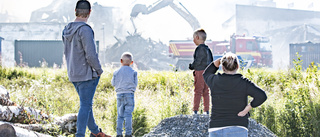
x=292 y=105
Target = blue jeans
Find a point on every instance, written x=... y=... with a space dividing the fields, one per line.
x=86 y=90
x=125 y=107
x=232 y=131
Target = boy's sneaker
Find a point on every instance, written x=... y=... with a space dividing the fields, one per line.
x=100 y=134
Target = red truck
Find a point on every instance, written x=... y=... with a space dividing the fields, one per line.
x=256 y=51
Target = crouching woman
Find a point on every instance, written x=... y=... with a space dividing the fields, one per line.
x=229 y=96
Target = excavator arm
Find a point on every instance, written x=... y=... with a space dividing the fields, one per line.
x=180 y=9
x=193 y=22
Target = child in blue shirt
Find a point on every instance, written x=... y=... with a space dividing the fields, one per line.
x=125 y=81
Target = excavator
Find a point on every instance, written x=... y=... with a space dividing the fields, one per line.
x=176 y=6
x=179 y=8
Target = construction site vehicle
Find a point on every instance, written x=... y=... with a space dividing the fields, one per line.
x=179 y=8
x=253 y=51
x=183 y=51
x=254 y=48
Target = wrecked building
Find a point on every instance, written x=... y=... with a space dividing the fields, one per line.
x=48 y=22
x=281 y=26
x=147 y=53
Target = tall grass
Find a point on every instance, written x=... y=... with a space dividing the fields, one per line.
x=292 y=107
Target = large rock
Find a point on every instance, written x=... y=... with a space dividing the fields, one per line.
x=197 y=126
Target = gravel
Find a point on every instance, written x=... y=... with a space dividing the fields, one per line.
x=197 y=126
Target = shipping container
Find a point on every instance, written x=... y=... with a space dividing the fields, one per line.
x=309 y=52
x=35 y=53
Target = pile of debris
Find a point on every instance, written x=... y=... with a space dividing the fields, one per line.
x=147 y=54
x=197 y=126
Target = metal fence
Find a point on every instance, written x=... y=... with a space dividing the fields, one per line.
x=309 y=52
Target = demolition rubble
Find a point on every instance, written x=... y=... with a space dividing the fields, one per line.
x=147 y=53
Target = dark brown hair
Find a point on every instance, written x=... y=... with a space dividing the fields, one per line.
x=82 y=13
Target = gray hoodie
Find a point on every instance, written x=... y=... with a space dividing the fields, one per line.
x=80 y=52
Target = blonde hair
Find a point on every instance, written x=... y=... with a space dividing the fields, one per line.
x=230 y=61
x=127 y=58
x=201 y=33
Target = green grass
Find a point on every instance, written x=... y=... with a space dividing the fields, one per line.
x=292 y=107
